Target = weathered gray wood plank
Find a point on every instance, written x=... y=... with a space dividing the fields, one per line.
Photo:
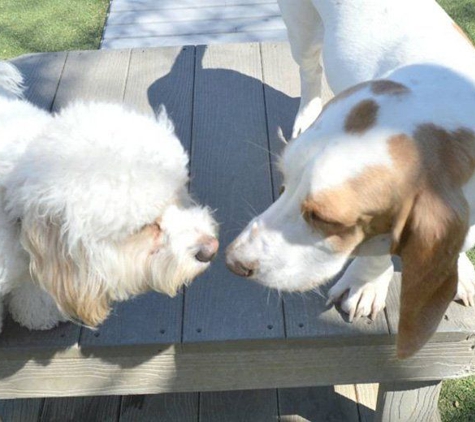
x=457 y=319
x=305 y=315
x=227 y=366
x=160 y=408
x=193 y=14
x=93 y=76
x=230 y=172
x=163 y=76
x=237 y=406
x=316 y=404
x=367 y=395
x=146 y=319
x=21 y=410
x=151 y=81
x=198 y=39
x=41 y=74
x=199 y=27
x=81 y=409
x=117 y=5
x=401 y=402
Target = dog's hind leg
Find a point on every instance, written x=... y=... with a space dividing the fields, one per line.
x=305 y=31
x=32 y=307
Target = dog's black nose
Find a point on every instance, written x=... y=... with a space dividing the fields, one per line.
x=208 y=249
x=242 y=269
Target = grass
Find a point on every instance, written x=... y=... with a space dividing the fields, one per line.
x=30 y=26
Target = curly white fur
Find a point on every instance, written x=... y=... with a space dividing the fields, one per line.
x=93 y=208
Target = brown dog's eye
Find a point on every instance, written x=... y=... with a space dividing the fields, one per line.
x=281 y=190
x=325 y=225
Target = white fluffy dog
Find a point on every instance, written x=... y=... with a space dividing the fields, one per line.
x=93 y=209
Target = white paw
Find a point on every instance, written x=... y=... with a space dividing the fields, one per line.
x=307 y=114
x=33 y=308
x=360 y=298
x=466 y=283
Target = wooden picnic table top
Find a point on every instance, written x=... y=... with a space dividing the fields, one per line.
x=223 y=332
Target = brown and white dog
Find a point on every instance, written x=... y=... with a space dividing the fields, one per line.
x=386 y=168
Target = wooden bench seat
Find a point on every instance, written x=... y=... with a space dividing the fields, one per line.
x=224 y=333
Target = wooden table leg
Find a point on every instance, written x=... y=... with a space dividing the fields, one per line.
x=408 y=402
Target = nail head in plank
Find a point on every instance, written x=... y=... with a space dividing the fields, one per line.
x=230 y=173
x=237 y=406
x=151 y=318
x=172 y=407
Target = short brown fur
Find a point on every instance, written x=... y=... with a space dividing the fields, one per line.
x=362 y=117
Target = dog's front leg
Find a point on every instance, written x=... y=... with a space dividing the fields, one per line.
x=466 y=283
x=32 y=307
x=363 y=288
x=305 y=30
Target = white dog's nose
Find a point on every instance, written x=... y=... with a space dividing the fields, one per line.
x=208 y=249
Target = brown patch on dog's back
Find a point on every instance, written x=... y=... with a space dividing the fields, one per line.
x=362 y=117
x=387 y=87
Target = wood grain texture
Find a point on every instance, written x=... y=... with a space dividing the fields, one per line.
x=193 y=14
x=41 y=73
x=458 y=318
x=152 y=318
x=305 y=315
x=119 y=5
x=160 y=408
x=163 y=76
x=316 y=404
x=93 y=76
x=133 y=370
x=367 y=395
x=21 y=410
x=402 y=402
x=79 y=409
x=237 y=406
x=196 y=39
x=230 y=173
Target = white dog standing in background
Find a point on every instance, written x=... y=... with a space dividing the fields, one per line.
x=94 y=208
x=386 y=167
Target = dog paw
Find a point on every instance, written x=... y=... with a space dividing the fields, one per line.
x=466 y=282
x=360 y=298
x=33 y=308
x=306 y=115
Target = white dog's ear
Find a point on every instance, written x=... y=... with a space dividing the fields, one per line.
x=164 y=120
x=64 y=274
x=429 y=234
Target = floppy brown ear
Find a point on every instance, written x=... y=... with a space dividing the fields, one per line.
x=65 y=277
x=429 y=245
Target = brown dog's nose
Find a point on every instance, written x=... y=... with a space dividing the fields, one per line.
x=208 y=249
x=242 y=269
